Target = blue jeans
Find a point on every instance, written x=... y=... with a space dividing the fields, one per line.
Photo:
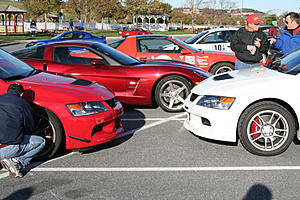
x=241 y=65
x=25 y=151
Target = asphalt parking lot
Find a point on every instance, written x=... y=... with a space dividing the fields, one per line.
x=156 y=158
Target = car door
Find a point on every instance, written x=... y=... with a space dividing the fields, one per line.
x=77 y=61
x=216 y=41
x=162 y=48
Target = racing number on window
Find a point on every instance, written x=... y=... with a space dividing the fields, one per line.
x=218 y=47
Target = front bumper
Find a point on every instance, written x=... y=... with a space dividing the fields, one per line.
x=210 y=123
x=92 y=130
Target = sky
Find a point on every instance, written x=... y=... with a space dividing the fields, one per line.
x=261 y=5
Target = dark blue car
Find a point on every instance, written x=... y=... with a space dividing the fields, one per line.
x=72 y=35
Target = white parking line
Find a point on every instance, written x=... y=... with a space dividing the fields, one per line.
x=168 y=169
x=152 y=119
x=163 y=120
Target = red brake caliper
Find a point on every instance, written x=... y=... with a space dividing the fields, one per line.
x=254 y=128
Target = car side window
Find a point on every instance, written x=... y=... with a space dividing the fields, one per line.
x=156 y=45
x=215 y=37
x=75 y=55
x=67 y=36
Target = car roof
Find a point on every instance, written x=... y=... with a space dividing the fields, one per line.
x=71 y=42
x=150 y=35
x=224 y=29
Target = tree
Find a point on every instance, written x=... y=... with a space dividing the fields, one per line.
x=194 y=5
x=135 y=7
x=109 y=8
x=42 y=7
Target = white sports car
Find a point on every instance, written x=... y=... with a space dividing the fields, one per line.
x=260 y=106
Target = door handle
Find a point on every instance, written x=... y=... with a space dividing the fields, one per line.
x=45 y=67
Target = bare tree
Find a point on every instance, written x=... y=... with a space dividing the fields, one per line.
x=194 y=5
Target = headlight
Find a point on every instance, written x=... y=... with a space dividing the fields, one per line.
x=86 y=108
x=217 y=102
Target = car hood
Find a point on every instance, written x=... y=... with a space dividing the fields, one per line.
x=49 y=87
x=177 y=64
x=240 y=81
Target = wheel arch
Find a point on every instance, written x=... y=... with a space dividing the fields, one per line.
x=279 y=101
x=210 y=68
x=158 y=80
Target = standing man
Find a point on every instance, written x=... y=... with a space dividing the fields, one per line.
x=33 y=28
x=81 y=25
x=71 y=24
x=290 y=38
x=249 y=44
x=17 y=146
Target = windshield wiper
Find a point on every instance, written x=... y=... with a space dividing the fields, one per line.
x=12 y=78
x=31 y=73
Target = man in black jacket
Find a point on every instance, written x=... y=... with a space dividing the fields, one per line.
x=17 y=146
x=249 y=44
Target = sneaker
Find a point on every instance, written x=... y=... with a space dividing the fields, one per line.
x=14 y=167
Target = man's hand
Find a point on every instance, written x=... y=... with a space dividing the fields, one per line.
x=257 y=43
x=251 y=48
x=272 y=40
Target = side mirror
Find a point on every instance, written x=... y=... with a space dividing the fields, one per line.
x=99 y=64
x=184 y=51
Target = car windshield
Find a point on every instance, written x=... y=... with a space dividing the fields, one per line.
x=186 y=45
x=58 y=36
x=193 y=39
x=12 y=68
x=289 y=64
x=116 y=55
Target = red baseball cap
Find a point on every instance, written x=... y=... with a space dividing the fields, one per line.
x=253 y=18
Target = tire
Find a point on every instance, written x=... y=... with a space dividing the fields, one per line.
x=171 y=91
x=266 y=128
x=222 y=67
x=49 y=127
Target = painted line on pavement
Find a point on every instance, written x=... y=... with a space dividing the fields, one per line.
x=164 y=120
x=152 y=119
x=167 y=169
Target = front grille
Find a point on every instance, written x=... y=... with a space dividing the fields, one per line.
x=112 y=102
x=97 y=128
x=193 y=97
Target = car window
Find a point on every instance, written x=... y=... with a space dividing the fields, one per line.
x=116 y=43
x=67 y=36
x=215 y=37
x=158 y=45
x=75 y=55
x=78 y=35
x=12 y=68
x=193 y=39
x=36 y=52
x=290 y=63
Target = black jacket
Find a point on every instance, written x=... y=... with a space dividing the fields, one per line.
x=15 y=118
x=242 y=38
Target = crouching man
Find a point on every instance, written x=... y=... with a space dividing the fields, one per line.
x=17 y=146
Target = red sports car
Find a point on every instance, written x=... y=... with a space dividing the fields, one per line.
x=134 y=82
x=146 y=47
x=134 y=31
x=69 y=112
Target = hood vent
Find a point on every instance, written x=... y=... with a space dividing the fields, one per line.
x=193 y=97
x=222 y=77
x=82 y=82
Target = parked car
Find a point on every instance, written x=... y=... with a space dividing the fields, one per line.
x=69 y=112
x=71 y=35
x=218 y=39
x=147 y=47
x=260 y=106
x=134 y=31
x=133 y=82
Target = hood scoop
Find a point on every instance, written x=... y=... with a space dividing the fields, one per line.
x=82 y=82
x=222 y=77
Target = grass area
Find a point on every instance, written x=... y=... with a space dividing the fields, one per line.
x=112 y=33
